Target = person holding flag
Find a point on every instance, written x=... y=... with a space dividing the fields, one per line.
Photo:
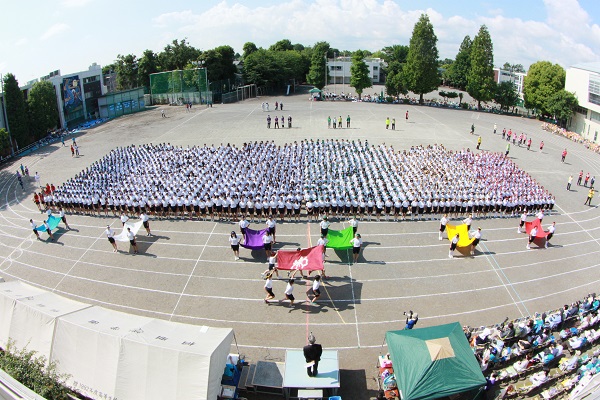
x=443 y=223
x=550 y=233
x=453 y=244
x=48 y=230
x=324 y=226
x=34 y=226
x=356 y=245
x=531 y=238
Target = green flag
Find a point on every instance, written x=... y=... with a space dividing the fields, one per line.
x=340 y=239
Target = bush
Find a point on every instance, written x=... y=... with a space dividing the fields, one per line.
x=389 y=99
x=465 y=106
x=32 y=372
x=406 y=101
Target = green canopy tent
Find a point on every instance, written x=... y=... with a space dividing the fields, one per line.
x=433 y=362
x=340 y=240
x=314 y=90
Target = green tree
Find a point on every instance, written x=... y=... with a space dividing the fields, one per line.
x=4 y=142
x=16 y=111
x=43 y=110
x=248 y=49
x=219 y=63
x=127 y=72
x=396 y=52
x=394 y=81
x=420 y=71
x=147 y=64
x=506 y=95
x=177 y=55
x=513 y=67
x=562 y=105
x=480 y=80
x=260 y=68
x=318 y=74
x=359 y=73
x=282 y=45
x=458 y=71
x=543 y=80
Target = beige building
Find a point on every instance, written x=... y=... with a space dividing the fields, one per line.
x=584 y=81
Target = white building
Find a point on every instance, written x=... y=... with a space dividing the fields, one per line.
x=502 y=75
x=76 y=94
x=339 y=70
x=584 y=81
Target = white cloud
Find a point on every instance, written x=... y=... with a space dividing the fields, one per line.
x=54 y=30
x=21 y=42
x=75 y=3
x=566 y=36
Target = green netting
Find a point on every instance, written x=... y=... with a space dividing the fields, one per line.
x=178 y=81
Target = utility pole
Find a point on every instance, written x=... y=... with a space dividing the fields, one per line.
x=12 y=149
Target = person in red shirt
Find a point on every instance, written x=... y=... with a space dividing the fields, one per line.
x=541 y=145
x=564 y=155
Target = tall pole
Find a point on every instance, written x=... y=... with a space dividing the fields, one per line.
x=12 y=149
x=325 y=56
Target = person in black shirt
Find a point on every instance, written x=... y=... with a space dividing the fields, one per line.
x=312 y=354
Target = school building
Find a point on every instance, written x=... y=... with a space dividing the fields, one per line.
x=339 y=70
x=584 y=81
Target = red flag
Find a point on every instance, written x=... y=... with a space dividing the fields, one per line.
x=540 y=231
x=310 y=259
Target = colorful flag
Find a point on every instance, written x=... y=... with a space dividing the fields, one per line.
x=540 y=231
x=340 y=240
x=254 y=239
x=310 y=259
x=52 y=223
x=463 y=240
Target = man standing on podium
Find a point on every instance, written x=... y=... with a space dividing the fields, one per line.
x=312 y=354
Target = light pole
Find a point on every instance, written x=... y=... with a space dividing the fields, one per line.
x=12 y=149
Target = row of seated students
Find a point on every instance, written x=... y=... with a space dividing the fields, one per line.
x=530 y=347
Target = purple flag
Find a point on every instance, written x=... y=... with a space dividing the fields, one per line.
x=254 y=239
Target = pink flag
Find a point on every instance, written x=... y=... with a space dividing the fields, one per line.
x=310 y=259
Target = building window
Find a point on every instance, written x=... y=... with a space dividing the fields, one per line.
x=90 y=79
x=581 y=110
x=375 y=68
x=594 y=90
x=375 y=77
x=594 y=116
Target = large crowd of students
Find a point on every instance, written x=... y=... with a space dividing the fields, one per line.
x=310 y=177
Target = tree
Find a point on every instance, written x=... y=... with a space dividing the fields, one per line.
x=480 y=80
x=147 y=64
x=127 y=72
x=219 y=63
x=282 y=45
x=562 y=105
x=420 y=72
x=43 y=110
x=317 y=72
x=248 y=49
x=177 y=55
x=458 y=71
x=394 y=81
x=506 y=95
x=4 y=142
x=513 y=67
x=16 y=112
x=396 y=52
x=543 y=80
x=360 y=78
x=260 y=68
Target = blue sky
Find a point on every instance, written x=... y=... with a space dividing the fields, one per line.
x=37 y=37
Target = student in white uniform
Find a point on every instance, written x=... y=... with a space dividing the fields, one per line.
x=234 y=241
x=315 y=289
x=269 y=287
x=110 y=235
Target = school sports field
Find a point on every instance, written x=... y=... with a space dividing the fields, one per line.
x=187 y=272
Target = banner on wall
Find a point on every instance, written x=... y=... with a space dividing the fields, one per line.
x=72 y=93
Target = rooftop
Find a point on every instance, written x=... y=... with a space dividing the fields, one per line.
x=592 y=67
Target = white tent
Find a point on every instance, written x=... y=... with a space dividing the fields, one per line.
x=29 y=315
x=125 y=356
x=10 y=292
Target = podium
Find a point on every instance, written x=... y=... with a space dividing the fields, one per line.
x=298 y=385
